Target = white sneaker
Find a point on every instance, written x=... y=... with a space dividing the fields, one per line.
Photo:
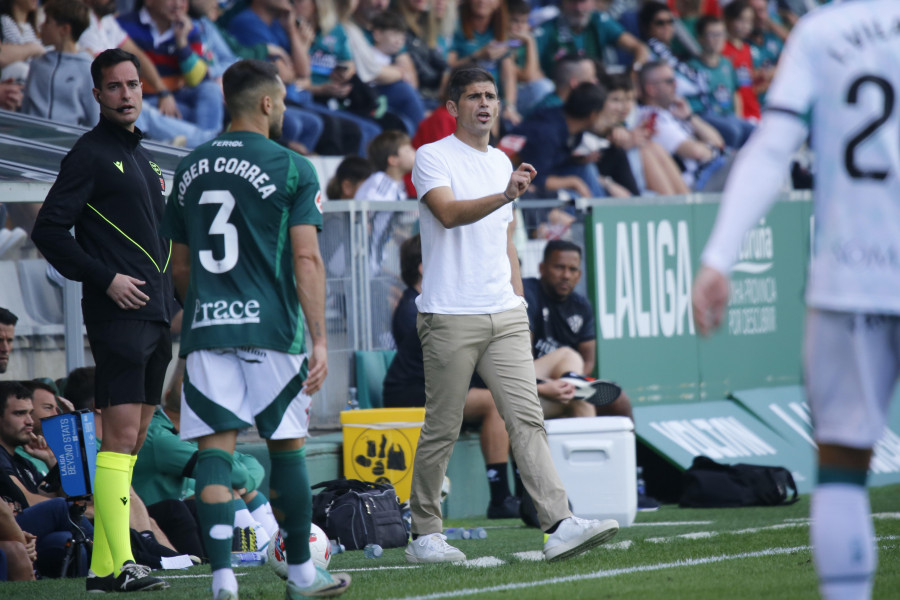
x=575 y=535
x=432 y=548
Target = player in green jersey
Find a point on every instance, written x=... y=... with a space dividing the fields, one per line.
x=244 y=216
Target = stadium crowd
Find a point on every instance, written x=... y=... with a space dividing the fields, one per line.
x=679 y=84
x=605 y=98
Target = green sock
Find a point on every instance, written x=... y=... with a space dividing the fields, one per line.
x=111 y=497
x=216 y=519
x=291 y=501
x=258 y=500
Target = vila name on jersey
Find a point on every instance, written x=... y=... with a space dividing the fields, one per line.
x=233 y=166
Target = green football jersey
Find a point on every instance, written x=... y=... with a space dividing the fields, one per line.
x=233 y=202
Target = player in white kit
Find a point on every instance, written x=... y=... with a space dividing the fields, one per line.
x=838 y=80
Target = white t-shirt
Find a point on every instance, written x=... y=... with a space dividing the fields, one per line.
x=379 y=187
x=840 y=70
x=102 y=34
x=670 y=133
x=466 y=269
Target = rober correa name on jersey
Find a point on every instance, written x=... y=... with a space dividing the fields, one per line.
x=242 y=168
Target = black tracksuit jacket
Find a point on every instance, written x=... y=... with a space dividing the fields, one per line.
x=112 y=192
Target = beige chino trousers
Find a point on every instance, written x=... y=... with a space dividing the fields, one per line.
x=498 y=346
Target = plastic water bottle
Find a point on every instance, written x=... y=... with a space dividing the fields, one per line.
x=248 y=559
x=352 y=402
x=457 y=533
x=479 y=533
x=372 y=551
x=335 y=547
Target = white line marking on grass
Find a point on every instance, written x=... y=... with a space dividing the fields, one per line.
x=767 y=528
x=623 y=545
x=886 y=515
x=532 y=555
x=165 y=576
x=672 y=523
x=384 y=568
x=698 y=535
x=483 y=561
x=610 y=573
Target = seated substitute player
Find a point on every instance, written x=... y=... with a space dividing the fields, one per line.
x=842 y=89
x=244 y=220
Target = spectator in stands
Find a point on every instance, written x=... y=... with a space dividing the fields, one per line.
x=43 y=405
x=404 y=385
x=17 y=548
x=164 y=31
x=580 y=29
x=679 y=130
x=569 y=71
x=391 y=81
x=555 y=146
x=59 y=82
x=19 y=26
x=739 y=19
x=533 y=84
x=427 y=49
x=389 y=35
x=7 y=336
x=162 y=122
x=721 y=103
x=348 y=176
x=654 y=169
x=482 y=40
x=297 y=31
x=562 y=319
x=224 y=48
x=393 y=156
x=766 y=42
x=17 y=429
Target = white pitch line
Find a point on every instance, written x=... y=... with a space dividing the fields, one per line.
x=384 y=568
x=610 y=573
x=886 y=515
x=164 y=576
x=532 y=555
x=483 y=561
x=672 y=523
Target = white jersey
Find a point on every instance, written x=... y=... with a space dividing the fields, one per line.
x=466 y=269
x=840 y=72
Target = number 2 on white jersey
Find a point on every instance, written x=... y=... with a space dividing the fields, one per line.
x=221 y=226
x=887 y=93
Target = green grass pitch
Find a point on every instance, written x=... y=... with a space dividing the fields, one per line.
x=672 y=554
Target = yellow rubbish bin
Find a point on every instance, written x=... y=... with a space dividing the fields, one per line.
x=379 y=445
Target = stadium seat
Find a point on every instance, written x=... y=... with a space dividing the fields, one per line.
x=371 y=367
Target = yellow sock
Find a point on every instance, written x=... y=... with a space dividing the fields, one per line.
x=111 y=497
x=101 y=558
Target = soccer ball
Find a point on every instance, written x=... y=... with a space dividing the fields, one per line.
x=319 y=546
x=277 y=559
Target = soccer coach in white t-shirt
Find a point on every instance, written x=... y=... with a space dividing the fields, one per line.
x=472 y=317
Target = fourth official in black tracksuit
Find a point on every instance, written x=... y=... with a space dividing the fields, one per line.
x=112 y=192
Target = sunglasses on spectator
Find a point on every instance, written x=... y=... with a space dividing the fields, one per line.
x=667 y=81
x=664 y=22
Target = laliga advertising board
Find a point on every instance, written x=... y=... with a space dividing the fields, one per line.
x=737 y=396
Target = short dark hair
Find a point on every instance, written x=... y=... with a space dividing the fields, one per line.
x=647 y=15
x=110 y=58
x=243 y=81
x=704 y=22
x=37 y=384
x=7 y=317
x=463 y=78
x=385 y=145
x=73 y=13
x=733 y=10
x=389 y=20
x=518 y=7
x=353 y=169
x=10 y=389
x=410 y=259
x=566 y=66
x=616 y=82
x=80 y=388
x=585 y=99
x=560 y=246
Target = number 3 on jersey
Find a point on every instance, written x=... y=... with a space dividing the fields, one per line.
x=221 y=226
